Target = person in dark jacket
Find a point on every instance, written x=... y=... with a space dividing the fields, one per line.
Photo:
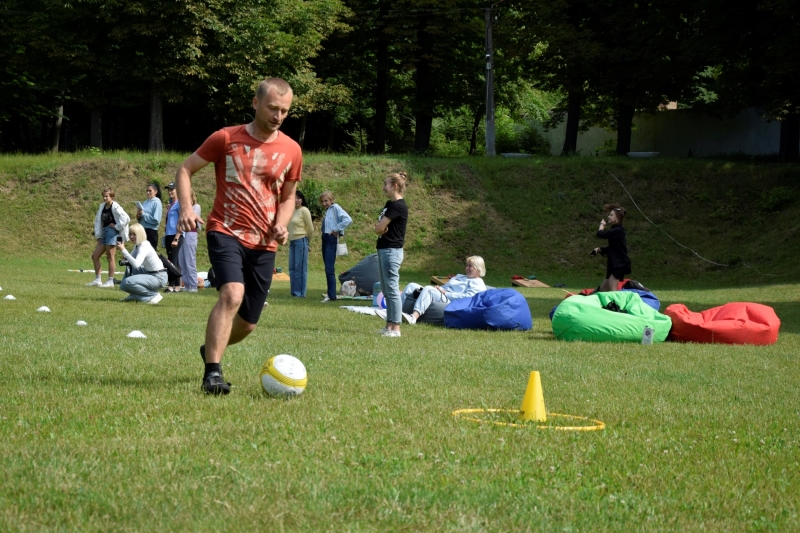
x=618 y=264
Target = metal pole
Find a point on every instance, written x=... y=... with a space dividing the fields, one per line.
x=489 y=86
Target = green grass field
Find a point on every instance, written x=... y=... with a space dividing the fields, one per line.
x=99 y=432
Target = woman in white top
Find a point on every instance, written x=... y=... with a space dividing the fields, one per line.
x=110 y=223
x=148 y=274
x=460 y=286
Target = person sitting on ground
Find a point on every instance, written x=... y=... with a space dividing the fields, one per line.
x=148 y=274
x=618 y=264
x=460 y=286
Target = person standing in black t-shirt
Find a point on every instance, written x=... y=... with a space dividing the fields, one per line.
x=619 y=264
x=391 y=227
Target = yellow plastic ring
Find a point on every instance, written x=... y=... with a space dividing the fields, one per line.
x=598 y=425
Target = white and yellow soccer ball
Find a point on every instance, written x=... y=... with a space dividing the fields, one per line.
x=284 y=375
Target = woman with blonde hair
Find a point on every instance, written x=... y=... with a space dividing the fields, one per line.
x=333 y=225
x=391 y=228
x=460 y=286
x=110 y=227
x=148 y=274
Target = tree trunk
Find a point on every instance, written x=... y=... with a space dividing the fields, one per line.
x=424 y=88
x=331 y=133
x=381 y=83
x=476 y=123
x=96 y=128
x=156 y=121
x=574 y=102
x=57 y=129
x=624 y=127
x=790 y=137
x=303 y=122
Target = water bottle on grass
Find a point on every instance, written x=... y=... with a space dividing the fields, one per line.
x=647 y=335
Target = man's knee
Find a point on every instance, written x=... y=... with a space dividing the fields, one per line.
x=231 y=295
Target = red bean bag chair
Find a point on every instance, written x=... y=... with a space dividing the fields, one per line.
x=733 y=323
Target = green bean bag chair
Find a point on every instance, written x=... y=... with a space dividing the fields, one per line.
x=590 y=318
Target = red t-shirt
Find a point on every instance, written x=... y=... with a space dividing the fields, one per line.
x=250 y=175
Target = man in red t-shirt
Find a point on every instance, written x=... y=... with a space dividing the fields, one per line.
x=257 y=168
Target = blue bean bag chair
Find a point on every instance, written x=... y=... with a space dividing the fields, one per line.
x=647 y=297
x=591 y=318
x=504 y=309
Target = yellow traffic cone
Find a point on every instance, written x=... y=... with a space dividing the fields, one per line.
x=533 y=402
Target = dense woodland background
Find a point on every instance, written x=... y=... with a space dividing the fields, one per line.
x=373 y=76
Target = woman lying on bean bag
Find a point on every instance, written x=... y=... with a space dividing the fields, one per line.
x=460 y=286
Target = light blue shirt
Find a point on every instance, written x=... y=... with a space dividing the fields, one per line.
x=172 y=218
x=151 y=213
x=462 y=286
x=336 y=219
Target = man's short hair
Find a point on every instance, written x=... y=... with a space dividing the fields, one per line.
x=280 y=85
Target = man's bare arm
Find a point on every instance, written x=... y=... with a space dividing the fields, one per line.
x=188 y=219
x=280 y=231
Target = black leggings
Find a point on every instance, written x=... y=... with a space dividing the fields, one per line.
x=152 y=237
x=172 y=255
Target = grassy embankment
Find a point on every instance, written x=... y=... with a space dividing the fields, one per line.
x=99 y=432
x=532 y=216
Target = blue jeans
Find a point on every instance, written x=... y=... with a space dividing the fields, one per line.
x=389 y=261
x=298 y=266
x=142 y=285
x=427 y=296
x=110 y=236
x=329 y=243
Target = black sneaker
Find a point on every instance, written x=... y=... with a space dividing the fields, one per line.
x=215 y=384
x=203 y=357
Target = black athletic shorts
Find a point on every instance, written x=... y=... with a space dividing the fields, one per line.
x=233 y=263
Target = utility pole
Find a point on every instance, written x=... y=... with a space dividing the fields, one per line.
x=489 y=86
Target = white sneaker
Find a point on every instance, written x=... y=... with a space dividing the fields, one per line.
x=108 y=284
x=95 y=283
x=391 y=333
x=381 y=313
x=155 y=299
x=381 y=331
x=325 y=299
x=410 y=318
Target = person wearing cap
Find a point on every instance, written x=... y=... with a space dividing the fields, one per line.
x=257 y=168
x=172 y=236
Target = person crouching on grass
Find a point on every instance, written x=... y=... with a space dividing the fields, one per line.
x=618 y=264
x=148 y=274
x=110 y=225
x=391 y=227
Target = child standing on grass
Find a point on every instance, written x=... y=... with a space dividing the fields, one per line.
x=391 y=227
x=334 y=223
x=618 y=264
x=110 y=223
